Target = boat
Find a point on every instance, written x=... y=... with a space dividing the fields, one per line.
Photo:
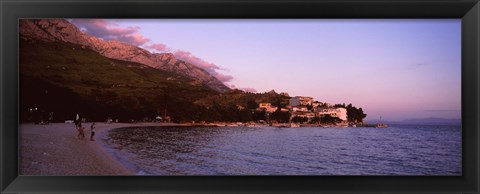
x=381 y=125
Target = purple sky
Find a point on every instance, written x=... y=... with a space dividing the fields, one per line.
x=397 y=69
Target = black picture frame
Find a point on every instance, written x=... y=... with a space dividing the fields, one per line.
x=467 y=10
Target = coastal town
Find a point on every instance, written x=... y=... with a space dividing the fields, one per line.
x=301 y=111
x=133 y=97
x=304 y=110
x=109 y=87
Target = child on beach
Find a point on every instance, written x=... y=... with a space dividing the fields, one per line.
x=81 y=133
x=92 y=134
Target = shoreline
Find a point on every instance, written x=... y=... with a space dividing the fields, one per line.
x=49 y=150
x=54 y=149
x=119 y=155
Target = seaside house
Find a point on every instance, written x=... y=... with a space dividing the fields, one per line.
x=308 y=115
x=299 y=109
x=267 y=107
x=340 y=113
x=301 y=100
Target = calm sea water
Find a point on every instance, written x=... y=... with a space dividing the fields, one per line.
x=397 y=150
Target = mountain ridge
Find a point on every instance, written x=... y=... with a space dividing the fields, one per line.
x=62 y=30
x=66 y=79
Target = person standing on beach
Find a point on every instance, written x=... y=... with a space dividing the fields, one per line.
x=81 y=133
x=78 y=122
x=92 y=134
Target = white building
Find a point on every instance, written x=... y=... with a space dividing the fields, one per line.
x=326 y=111
x=301 y=100
x=309 y=115
x=340 y=113
x=267 y=107
x=300 y=109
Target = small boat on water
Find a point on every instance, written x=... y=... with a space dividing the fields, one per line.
x=381 y=125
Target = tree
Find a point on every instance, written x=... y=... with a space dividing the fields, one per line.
x=329 y=119
x=259 y=115
x=315 y=120
x=251 y=104
x=309 y=107
x=280 y=116
x=298 y=119
x=355 y=115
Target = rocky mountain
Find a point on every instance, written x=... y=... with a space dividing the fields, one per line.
x=67 y=79
x=61 y=30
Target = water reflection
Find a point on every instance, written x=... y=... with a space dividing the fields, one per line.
x=399 y=150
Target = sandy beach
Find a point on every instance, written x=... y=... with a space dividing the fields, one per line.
x=54 y=149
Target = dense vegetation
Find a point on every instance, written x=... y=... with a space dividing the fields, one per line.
x=354 y=114
x=67 y=79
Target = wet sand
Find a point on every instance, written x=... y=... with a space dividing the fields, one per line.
x=54 y=149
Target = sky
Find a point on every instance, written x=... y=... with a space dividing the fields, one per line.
x=394 y=69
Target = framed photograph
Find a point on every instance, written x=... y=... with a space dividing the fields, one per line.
x=249 y=96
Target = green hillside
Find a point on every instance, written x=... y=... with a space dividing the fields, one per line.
x=68 y=79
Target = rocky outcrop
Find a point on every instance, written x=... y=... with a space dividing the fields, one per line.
x=62 y=30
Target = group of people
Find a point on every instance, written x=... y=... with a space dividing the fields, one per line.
x=81 y=129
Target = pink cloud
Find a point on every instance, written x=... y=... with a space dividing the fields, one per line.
x=188 y=57
x=158 y=47
x=209 y=67
x=222 y=77
x=135 y=39
x=110 y=31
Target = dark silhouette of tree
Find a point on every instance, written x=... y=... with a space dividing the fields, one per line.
x=298 y=119
x=327 y=119
x=315 y=120
x=259 y=115
x=280 y=116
